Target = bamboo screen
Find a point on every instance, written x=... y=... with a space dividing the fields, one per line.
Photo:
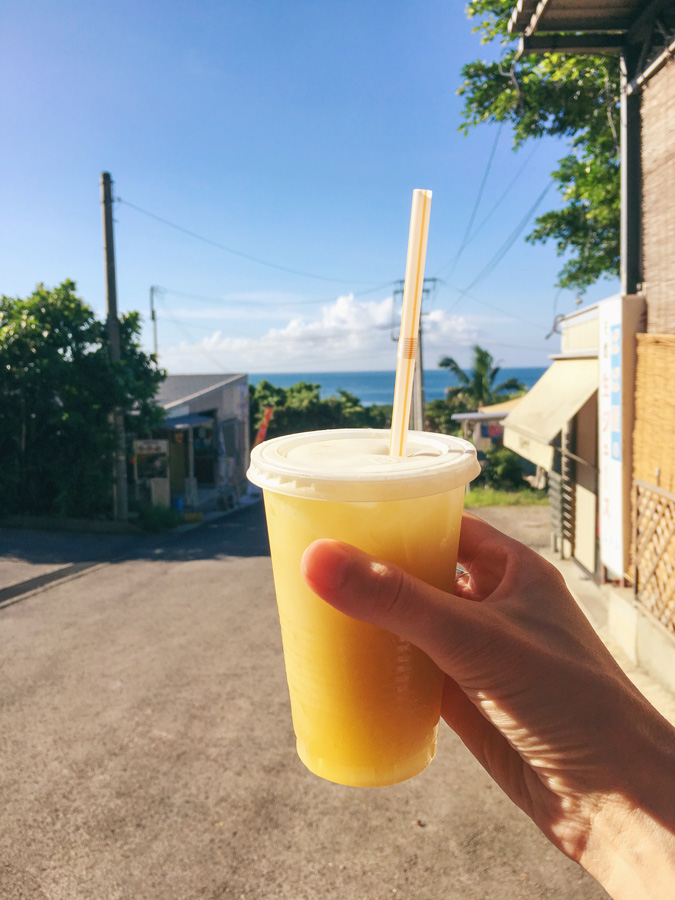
x=658 y=199
x=654 y=430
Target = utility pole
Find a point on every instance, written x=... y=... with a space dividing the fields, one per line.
x=153 y=316
x=417 y=406
x=113 y=329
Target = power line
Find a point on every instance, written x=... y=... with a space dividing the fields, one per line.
x=231 y=250
x=209 y=354
x=504 y=194
x=506 y=246
x=309 y=337
x=476 y=204
x=510 y=346
x=264 y=303
x=215 y=300
x=200 y=346
x=499 y=309
x=313 y=338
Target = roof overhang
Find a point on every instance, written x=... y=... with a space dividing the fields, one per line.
x=478 y=417
x=543 y=412
x=179 y=423
x=580 y=27
x=529 y=16
x=493 y=413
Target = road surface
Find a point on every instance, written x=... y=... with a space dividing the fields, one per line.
x=147 y=754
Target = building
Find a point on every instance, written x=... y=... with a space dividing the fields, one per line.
x=484 y=427
x=576 y=423
x=199 y=457
x=602 y=420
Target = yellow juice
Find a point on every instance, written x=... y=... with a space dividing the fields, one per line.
x=365 y=703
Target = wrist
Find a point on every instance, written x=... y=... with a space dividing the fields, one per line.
x=631 y=847
x=631 y=854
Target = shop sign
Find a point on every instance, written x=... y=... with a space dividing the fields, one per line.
x=149 y=447
x=610 y=438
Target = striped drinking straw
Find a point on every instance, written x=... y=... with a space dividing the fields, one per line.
x=410 y=320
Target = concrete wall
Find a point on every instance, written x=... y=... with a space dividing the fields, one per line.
x=644 y=640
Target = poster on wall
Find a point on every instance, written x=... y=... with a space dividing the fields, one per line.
x=610 y=438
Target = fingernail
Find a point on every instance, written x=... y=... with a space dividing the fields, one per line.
x=326 y=564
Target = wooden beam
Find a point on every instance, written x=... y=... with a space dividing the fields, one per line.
x=578 y=44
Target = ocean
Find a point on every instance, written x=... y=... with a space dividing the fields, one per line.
x=377 y=388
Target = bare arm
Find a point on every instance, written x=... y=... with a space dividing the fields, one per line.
x=535 y=696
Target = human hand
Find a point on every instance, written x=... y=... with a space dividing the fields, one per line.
x=534 y=694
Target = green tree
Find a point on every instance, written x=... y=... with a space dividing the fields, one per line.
x=58 y=387
x=503 y=470
x=300 y=408
x=479 y=386
x=573 y=97
x=438 y=415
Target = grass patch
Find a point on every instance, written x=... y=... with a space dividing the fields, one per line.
x=487 y=496
x=156 y=519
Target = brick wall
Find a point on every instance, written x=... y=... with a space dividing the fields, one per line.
x=658 y=199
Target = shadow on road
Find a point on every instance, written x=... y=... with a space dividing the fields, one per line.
x=242 y=533
x=30 y=559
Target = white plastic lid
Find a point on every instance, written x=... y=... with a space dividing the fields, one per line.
x=353 y=464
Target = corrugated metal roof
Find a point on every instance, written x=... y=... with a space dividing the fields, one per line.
x=176 y=423
x=494 y=412
x=180 y=388
x=530 y=17
x=521 y=15
x=611 y=26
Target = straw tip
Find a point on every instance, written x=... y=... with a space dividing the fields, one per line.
x=422 y=192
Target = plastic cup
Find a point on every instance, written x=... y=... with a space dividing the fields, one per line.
x=365 y=703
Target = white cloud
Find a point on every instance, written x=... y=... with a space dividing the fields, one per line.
x=348 y=334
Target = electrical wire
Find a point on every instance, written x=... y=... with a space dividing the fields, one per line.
x=264 y=303
x=499 y=309
x=208 y=353
x=239 y=253
x=476 y=204
x=309 y=338
x=324 y=336
x=504 y=249
x=504 y=194
x=368 y=290
x=199 y=345
x=492 y=343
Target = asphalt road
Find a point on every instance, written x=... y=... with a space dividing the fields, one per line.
x=146 y=753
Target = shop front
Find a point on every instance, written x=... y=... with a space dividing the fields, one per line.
x=207 y=437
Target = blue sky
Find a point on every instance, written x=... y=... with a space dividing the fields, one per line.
x=293 y=132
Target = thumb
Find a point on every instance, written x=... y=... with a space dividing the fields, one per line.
x=381 y=593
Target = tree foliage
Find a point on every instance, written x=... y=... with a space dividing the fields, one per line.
x=300 y=408
x=478 y=387
x=58 y=387
x=503 y=469
x=438 y=415
x=573 y=97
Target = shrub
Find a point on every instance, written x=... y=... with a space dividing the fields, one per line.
x=157 y=518
x=503 y=469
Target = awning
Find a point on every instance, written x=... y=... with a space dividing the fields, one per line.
x=179 y=422
x=544 y=411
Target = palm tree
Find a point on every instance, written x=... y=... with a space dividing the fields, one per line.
x=478 y=388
